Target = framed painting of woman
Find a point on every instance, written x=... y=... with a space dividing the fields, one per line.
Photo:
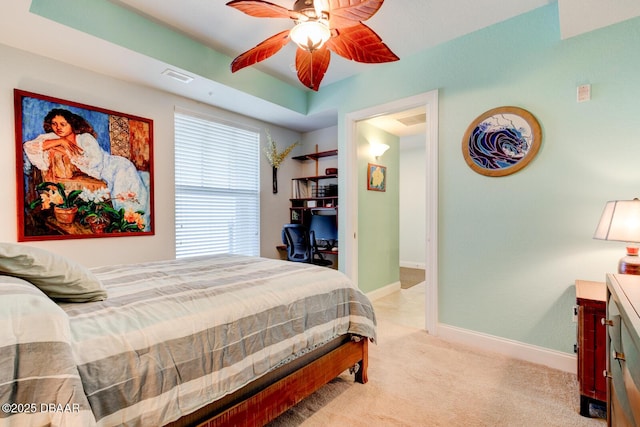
x=82 y=171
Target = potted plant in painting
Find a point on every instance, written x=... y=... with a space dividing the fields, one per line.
x=123 y=221
x=93 y=207
x=53 y=196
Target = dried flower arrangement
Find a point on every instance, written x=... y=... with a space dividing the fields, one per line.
x=276 y=158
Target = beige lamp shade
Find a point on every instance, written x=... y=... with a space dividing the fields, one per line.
x=620 y=221
x=378 y=149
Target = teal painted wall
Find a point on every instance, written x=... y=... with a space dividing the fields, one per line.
x=379 y=213
x=511 y=248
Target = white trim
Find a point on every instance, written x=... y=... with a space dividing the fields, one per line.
x=413 y=264
x=384 y=291
x=431 y=288
x=531 y=353
x=350 y=247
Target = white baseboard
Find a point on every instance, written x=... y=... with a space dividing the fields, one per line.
x=530 y=353
x=412 y=264
x=384 y=291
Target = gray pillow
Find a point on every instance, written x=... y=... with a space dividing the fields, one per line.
x=58 y=277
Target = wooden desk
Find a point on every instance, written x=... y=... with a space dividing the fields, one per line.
x=283 y=248
x=282 y=252
x=592 y=342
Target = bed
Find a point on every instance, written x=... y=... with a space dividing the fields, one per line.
x=217 y=340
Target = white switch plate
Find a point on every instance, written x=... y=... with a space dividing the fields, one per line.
x=584 y=93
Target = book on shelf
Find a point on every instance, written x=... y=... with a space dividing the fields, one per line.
x=301 y=189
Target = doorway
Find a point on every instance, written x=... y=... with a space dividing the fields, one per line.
x=428 y=101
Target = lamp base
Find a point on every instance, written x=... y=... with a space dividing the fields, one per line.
x=629 y=264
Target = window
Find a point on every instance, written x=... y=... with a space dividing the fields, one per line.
x=217 y=187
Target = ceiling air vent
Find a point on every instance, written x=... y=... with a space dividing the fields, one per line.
x=418 y=119
x=176 y=75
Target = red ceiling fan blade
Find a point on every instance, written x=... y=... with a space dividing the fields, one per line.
x=360 y=43
x=345 y=14
x=262 y=9
x=262 y=51
x=350 y=37
x=312 y=66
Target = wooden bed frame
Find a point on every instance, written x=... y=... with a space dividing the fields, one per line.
x=265 y=399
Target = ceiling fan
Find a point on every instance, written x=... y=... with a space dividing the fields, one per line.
x=321 y=26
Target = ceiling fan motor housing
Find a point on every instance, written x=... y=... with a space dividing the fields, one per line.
x=300 y=5
x=307 y=8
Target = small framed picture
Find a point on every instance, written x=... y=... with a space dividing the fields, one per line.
x=376 y=177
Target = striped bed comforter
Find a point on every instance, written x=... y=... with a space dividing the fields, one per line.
x=171 y=337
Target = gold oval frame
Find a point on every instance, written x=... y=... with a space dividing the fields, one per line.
x=536 y=139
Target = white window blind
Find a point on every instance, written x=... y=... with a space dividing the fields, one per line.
x=217 y=188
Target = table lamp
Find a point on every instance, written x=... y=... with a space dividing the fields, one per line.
x=620 y=221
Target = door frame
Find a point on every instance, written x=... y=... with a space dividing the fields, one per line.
x=430 y=101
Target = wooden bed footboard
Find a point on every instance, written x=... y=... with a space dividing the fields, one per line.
x=257 y=407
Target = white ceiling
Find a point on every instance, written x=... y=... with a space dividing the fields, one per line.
x=402 y=123
x=406 y=26
x=581 y=16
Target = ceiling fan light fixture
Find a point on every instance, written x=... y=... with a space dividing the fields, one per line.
x=310 y=35
x=321 y=27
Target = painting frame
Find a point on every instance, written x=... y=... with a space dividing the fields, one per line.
x=376 y=177
x=81 y=171
x=501 y=141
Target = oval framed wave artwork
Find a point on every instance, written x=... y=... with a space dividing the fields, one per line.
x=501 y=141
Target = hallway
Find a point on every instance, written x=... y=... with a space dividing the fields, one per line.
x=406 y=306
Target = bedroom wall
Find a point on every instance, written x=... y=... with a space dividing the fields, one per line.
x=521 y=240
x=511 y=248
x=278 y=204
x=33 y=73
x=326 y=139
x=412 y=201
x=378 y=213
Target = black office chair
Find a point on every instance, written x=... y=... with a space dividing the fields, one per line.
x=301 y=245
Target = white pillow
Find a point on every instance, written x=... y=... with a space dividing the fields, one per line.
x=58 y=277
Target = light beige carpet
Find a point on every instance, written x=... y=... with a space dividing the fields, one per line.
x=410 y=277
x=419 y=380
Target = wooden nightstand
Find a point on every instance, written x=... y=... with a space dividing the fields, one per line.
x=592 y=342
